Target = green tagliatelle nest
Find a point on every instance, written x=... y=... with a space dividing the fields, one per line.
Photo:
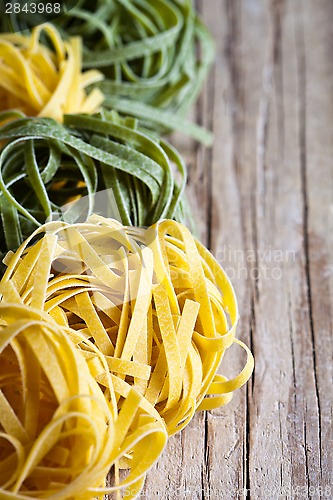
x=45 y=165
x=155 y=55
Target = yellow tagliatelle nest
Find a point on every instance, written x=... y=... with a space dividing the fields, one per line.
x=40 y=81
x=154 y=302
x=59 y=435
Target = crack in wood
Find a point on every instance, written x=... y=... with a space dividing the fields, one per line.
x=301 y=59
x=247 y=479
x=306 y=459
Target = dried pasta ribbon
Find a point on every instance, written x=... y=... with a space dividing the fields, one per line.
x=102 y=160
x=155 y=55
x=39 y=81
x=60 y=436
x=153 y=301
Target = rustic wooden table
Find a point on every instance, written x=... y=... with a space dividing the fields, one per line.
x=264 y=198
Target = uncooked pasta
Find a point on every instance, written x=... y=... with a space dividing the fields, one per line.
x=45 y=165
x=153 y=301
x=42 y=81
x=60 y=437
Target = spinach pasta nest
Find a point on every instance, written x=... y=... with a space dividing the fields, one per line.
x=45 y=165
x=154 y=54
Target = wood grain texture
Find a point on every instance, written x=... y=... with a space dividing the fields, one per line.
x=263 y=197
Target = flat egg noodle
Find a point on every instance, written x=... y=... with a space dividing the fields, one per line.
x=170 y=329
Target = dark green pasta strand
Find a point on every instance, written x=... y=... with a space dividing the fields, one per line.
x=10 y=224
x=35 y=177
x=8 y=196
x=111 y=181
x=52 y=163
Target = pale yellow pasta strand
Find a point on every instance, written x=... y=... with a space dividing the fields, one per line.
x=157 y=297
x=76 y=437
x=42 y=82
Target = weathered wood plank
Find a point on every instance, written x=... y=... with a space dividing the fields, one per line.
x=230 y=232
x=318 y=189
x=264 y=195
x=278 y=457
